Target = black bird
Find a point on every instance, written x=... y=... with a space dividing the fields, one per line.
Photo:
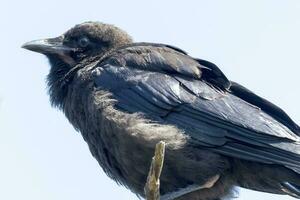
x=125 y=97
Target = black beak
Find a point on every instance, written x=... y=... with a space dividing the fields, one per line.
x=48 y=46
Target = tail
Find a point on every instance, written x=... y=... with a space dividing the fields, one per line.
x=268 y=178
x=291 y=189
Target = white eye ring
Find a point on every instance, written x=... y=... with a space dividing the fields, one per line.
x=83 y=42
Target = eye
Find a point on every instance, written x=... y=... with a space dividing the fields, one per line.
x=83 y=42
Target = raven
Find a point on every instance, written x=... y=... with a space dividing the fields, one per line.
x=124 y=97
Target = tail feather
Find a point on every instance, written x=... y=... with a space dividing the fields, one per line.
x=291 y=189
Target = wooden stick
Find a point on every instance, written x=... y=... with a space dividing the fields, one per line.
x=152 y=186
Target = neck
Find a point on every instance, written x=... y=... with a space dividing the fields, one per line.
x=60 y=76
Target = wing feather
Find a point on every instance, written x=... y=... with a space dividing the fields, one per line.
x=214 y=118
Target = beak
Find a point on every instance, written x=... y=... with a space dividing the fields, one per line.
x=48 y=46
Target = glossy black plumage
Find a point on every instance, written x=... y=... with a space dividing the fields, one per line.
x=234 y=121
x=124 y=97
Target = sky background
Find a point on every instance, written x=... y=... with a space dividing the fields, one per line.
x=254 y=42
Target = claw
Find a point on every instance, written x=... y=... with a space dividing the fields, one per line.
x=192 y=188
x=211 y=182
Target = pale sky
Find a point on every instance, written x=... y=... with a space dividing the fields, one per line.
x=254 y=42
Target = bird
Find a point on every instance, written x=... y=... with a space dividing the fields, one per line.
x=124 y=97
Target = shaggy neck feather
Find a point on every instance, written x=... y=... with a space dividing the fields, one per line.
x=59 y=78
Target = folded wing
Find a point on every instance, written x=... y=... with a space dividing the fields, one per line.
x=170 y=87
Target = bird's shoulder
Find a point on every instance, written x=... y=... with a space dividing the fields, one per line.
x=167 y=59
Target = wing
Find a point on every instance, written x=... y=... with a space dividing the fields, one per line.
x=170 y=87
x=265 y=105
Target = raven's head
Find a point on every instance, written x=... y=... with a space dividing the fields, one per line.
x=72 y=50
x=82 y=41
